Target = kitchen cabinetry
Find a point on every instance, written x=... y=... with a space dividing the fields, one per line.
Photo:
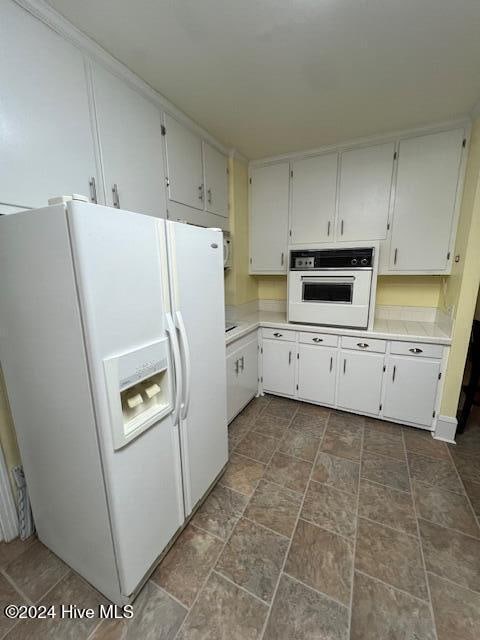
x=46 y=141
x=425 y=201
x=269 y=194
x=242 y=374
x=317 y=368
x=314 y=188
x=360 y=381
x=364 y=192
x=279 y=366
x=411 y=389
x=129 y=128
x=216 y=181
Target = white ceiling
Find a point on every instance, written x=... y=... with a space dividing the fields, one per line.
x=272 y=76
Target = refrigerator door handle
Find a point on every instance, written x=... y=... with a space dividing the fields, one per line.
x=187 y=362
x=172 y=333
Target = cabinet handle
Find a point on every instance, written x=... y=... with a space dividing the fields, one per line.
x=344 y=365
x=341 y=228
x=331 y=363
x=282 y=259
x=116 y=199
x=200 y=192
x=363 y=345
x=209 y=194
x=395 y=256
x=93 y=189
x=328 y=228
x=394 y=372
x=416 y=350
x=317 y=339
x=289 y=357
x=278 y=335
x=237 y=366
x=242 y=361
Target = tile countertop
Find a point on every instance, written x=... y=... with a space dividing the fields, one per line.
x=428 y=332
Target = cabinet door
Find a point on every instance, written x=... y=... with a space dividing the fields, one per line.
x=269 y=188
x=278 y=367
x=425 y=195
x=184 y=164
x=233 y=400
x=314 y=187
x=216 y=181
x=317 y=367
x=364 y=192
x=360 y=381
x=130 y=134
x=248 y=378
x=411 y=389
x=46 y=137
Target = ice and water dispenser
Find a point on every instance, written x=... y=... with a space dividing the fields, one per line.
x=139 y=390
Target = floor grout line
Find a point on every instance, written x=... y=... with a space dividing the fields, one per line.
x=392 y=586
x=452 y=459
x=170 y=595
x=452 y=582
x=387 y=486
x=388 y=526
x=264 y=526
x=321 y=593
x=218 y=572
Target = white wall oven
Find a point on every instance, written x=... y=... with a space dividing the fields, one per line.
x=334 y=287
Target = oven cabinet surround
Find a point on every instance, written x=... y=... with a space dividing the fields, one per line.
x=394 y=380
x=402 y=192
x=242 y=373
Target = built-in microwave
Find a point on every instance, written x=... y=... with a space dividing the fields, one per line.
x=332 y=286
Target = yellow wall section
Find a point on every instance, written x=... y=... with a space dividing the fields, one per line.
x=7 y=434
x=462 y=286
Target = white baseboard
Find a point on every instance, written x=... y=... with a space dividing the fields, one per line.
x=445 y=429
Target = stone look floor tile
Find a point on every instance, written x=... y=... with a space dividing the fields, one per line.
x=386 y=443
x=187 y=564
x=391 y=556
x=224 y=611
x=313 y=410
x=344 y=419
x=255 y=407
x=456 y=610
x=321 y=560
x=299 y=612
x=387 y=506
x=380 y=612
x=451 y=555
x=10 y=551
x=342 y=440
x=299 y=444
x=336 y=472
x=36 y=571
x=271 y=425
x=253 y=558
x=387 y=471
x=312 y=424
x=473 y=492
x=274 y=507
x=467 y=463
x=8 y=595
x=242 y=474
x=238 y=429
x=382 y=426
x=257 y=446
x=281 y=408
x=330 y=508
x=439 y=473
x=288 y=472
x=220 y=511
x=419 y=441
x=445 y=508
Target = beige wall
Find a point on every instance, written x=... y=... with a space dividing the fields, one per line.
x=7 y=434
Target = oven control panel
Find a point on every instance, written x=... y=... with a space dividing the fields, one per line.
x=318 y=259
x=304 y=263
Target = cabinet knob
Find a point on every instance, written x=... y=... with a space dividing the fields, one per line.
x=93 y=189
x=278 y=335
x=317 y=339
x=116 y=199
x=200 y=192
x=363 y=345
x=416 y=350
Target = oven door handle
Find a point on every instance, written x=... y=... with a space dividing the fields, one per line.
x=328 y=279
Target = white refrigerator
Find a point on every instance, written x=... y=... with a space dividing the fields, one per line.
x=112 y=346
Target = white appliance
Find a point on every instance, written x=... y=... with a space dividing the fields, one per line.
x=113 y=348
x=332 y=286
x=227 y=250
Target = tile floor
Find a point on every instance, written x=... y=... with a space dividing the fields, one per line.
x=325 y=526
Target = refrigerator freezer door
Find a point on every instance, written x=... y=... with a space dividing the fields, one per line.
x=196 y=272
x=121 y=270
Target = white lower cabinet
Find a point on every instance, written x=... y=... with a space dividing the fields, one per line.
x=360 y=381
x=278 y=367
x=242 y=374
x=317 y=368
x=411 y=389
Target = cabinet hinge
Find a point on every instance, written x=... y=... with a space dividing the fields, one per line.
x=384 y=368
x=291 y=173
x=440 y=375
x=250 y=180
x=388 y=226
x=464 y=143
x=395 y=155
x=163 y=130
x=261 y=379
x=261 y=350
x=433 y=414
x=298 y=356
x=297 y=387
x=228 y=171
x=290 y=233
x=250 y=261
x=380 y=407
x=448 y=255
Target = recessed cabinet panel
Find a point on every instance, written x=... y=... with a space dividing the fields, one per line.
x=411 y=389
x=425 y=196
x=317 y=368
x=269 y=191
x=216 y=181
x=46 y=140
x=278 y=367
x=184 y=164
x=242 y=377
x=314 y=187
x=364 y=193
x=360 y=381
x=131 y=143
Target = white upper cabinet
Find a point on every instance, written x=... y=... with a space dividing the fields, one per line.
x=364 y=192
x=425 y=201
x=216 y=181
x=269 y=193
x=46 y=139
x=184 y=164
x=314 y=187
x=130 y=135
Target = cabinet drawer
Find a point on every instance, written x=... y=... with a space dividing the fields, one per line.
x=417 y=349
x=364 y=344
x=324 y=339
x=279 y=334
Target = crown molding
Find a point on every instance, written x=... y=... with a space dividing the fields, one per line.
x=48 y=15
x=236 y=155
